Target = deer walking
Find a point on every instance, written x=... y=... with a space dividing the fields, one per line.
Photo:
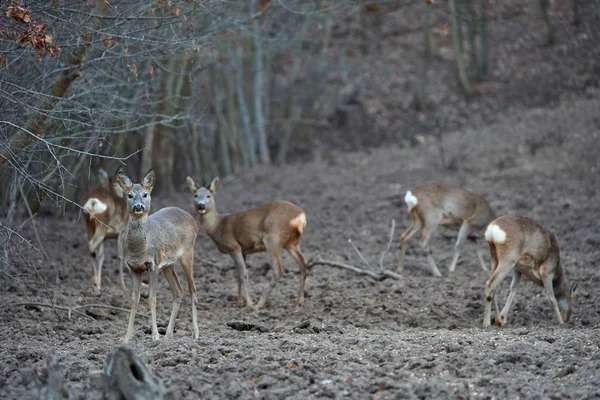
x=520 y=246
x=270 y=227
x=155 y=243
x=433 y=205
x=106 y=218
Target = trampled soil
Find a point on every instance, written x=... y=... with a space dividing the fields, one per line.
x=420 y=337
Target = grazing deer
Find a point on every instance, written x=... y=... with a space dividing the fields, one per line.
x=451 y=207
x=106 y=219
x=155 y=243
x=523 y=247
x=269 y=228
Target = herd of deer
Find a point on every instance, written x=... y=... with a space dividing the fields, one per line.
x=120 y=209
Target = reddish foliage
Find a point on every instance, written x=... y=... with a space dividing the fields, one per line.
x=19 y=14
x=372 y=7
x=35 y=36
x=263 y=3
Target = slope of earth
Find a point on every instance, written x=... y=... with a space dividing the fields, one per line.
x=377 y=75
x=419 y=337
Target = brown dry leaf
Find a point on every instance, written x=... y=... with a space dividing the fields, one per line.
x=382 y=387
x=151 y=71
x=133 y=69
x=107 y=40
x=3 y=61
x=202 y=349
x=292 y=365
x=443 y=30
x=429 y=1
x=347 y=380
x=254 y=381
x=19 y=14
x=176 y=11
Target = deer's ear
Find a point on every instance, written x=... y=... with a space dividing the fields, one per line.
x=124 y=181
x=214 y=185
x=191 y=184
x=148 y=181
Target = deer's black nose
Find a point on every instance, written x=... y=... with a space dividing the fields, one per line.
x=201 y=206
x=138 y=208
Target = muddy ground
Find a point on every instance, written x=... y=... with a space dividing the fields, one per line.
x=420 y=337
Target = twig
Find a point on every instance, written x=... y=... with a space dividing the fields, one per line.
x=378 y=276
x=75 y=309
x=54 y=307
x=35 y=231
x=388 y=245
x=360 y=255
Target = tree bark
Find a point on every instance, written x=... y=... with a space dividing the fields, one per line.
x=259 y=117
x=456 y=46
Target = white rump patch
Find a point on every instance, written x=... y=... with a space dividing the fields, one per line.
x=94 y=206
x=299 y=222
x=495 y=234
x=410 y=200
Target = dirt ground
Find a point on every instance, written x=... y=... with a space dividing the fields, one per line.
x=420 y=337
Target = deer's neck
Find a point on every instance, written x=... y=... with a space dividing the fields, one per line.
x=211 y=222
x=137 y=236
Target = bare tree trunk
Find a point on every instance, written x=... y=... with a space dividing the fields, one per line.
x=20 y=140
x=483 y=40
x=424 y=103
x=456 y=45
x=223 y=130
x=250 y=146
x=263 y=148
x=545 y=5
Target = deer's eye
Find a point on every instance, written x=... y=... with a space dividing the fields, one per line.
x=130 y=196
x=145 y=195
x=208 y=196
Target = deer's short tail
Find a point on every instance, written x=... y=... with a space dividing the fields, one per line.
x=94 y=206
x=410 y=200
x=299 y=223
x=495 y=234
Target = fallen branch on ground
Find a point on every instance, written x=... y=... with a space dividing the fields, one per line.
x=371 y=272
x=75 y=309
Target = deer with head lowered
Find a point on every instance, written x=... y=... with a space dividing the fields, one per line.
x=106 y=219
x=520 y=246
x=155 y=243
x=433 y=205
x=270 y=227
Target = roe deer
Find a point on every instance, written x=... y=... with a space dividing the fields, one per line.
x=451 y=207
x=269 y=228
x=154 y=243
x=106 y=219
x=523 y=247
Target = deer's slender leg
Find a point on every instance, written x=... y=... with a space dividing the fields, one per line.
x=547 y=280
x=297 y=255
x=480 y=257
x=415 y=226
x=153 y=281
x=121 y=258
x=187 y=262
x=275 y=261
x=100 y=262
x=238 y=259
x=428 y=230
x=514 y=284
x=462 y=235
x=503 y=269
x=135 y=299
x=177 y=290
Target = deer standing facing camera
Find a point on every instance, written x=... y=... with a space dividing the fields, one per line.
x=520 y=246
x=270 y=227
x=106 y=219
x=155 y=243
x=433 y=205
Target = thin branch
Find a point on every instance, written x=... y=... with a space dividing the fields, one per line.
x=360 y=255
x=387 y=249
x=376 y=275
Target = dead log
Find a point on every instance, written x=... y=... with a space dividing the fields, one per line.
x=126 y=377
